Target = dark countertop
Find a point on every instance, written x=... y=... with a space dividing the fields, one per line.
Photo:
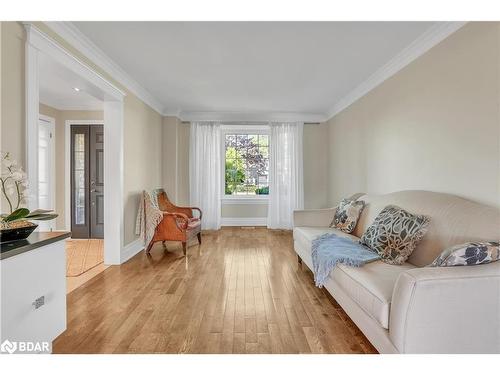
x=35 y=240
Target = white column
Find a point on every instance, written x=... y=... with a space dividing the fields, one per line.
x=113 y=181
x=32 y=104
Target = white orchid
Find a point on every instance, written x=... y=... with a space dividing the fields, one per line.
x=18 y=176
x=7 y=162
x=10 y=189
x=13 y=182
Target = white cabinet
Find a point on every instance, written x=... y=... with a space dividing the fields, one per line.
x=34 y=275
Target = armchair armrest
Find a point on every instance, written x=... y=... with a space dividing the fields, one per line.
x=175 y=216
x=447 y=310
x=167 y=206
x=186 y=210
x=199 y=211
x=313 y=218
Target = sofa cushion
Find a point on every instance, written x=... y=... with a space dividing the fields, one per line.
x=306 y=234
x=370 y=286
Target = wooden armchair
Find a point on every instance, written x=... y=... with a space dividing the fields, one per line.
x=178 y=223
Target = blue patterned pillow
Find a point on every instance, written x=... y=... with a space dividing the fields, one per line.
x=468 y=254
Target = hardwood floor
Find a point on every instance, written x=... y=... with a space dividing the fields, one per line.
x=241 y=291
x=73 y=282
x=84 y=260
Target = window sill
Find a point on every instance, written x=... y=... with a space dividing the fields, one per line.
x=244 y=200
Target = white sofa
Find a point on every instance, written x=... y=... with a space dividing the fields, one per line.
x=412 y=308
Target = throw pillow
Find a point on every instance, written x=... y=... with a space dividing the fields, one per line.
x=395 y=233
x=468 y=254
x=347 y=215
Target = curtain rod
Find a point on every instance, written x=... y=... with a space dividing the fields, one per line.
x=251 y=123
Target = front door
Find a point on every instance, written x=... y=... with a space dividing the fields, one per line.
x=87 y=181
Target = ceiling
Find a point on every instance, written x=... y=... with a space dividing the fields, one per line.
x=57 y=85
x=304 y=67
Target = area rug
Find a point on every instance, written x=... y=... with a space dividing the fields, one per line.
x=83 y=255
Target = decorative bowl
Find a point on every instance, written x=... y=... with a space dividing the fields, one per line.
x=17 y=233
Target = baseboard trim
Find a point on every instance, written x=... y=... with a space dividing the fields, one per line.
x=130 y=250
x=244 y=221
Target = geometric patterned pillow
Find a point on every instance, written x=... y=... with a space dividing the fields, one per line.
x=395 y=233
x=468 y=254
x=347 y=215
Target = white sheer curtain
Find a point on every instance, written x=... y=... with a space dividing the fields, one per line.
x=205 y=171
x=286 y=183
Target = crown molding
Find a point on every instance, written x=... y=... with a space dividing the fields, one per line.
x=84 y=45
x=417 y=48
x=251 y=116
x=172 y=113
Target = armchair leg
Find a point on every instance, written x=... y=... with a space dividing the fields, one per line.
x=184 y=245
x=148 y=249
x=199 y=238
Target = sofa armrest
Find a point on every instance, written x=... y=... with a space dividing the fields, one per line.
x=447 y=310
x=313 y=218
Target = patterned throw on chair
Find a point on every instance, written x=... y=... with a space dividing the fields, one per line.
x=148 y=216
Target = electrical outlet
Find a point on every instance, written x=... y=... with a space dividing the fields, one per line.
x=39 y=302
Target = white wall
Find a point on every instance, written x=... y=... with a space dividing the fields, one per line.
x=434 y=125
x=315 y=153
x=142 y=158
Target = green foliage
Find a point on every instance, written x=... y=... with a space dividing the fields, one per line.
x=246 y=160
x=18 y=214
x=24 y=213
x=233 y=153
x=262 y=191
x=42 y=217
x=235 y=175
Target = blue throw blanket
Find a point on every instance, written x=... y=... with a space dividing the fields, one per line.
x=330 y=249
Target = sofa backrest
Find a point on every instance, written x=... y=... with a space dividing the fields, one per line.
x=454 y=220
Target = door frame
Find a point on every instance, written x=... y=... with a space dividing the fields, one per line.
x=67 y=166
x=38 y=42
x=53 y=182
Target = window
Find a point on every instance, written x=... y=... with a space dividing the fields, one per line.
x=79 y=183
x=246 y=165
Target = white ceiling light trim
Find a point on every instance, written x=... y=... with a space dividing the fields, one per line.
x=251 y=116
x=83 y=44
x=417 y=48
